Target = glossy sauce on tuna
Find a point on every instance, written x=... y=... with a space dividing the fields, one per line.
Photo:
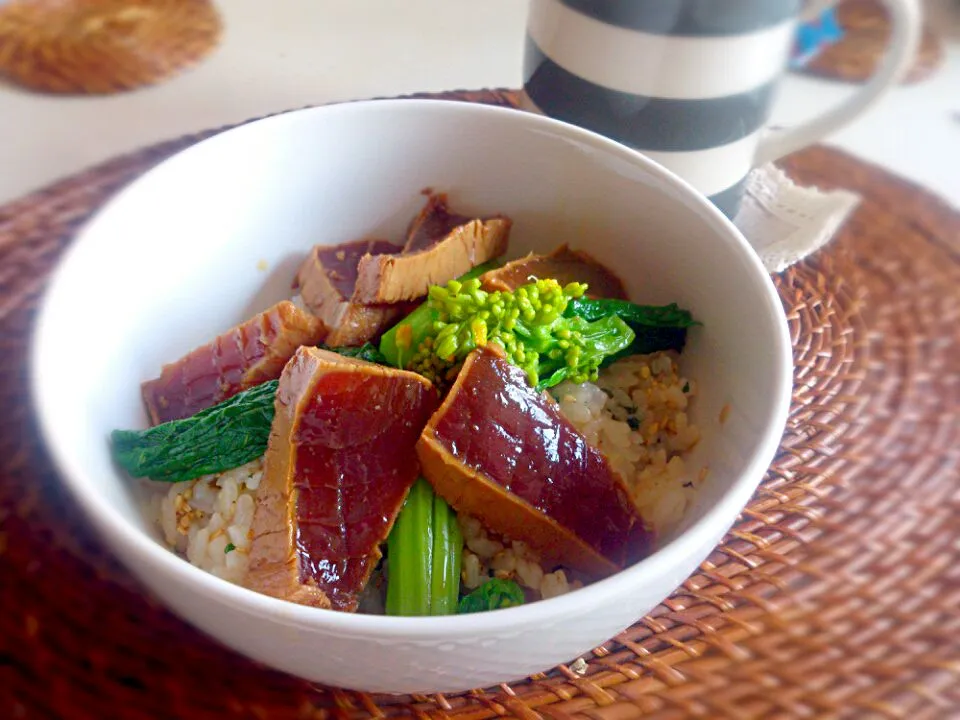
x=516 y=437
x=355 y=462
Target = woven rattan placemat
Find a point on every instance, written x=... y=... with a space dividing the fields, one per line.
x=102 y=47
x=836 y=595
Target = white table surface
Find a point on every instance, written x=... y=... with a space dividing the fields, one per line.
x=280 y=55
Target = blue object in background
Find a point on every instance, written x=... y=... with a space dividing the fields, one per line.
x=815 y=35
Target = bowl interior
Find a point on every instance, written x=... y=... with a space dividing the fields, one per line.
x=215 y=235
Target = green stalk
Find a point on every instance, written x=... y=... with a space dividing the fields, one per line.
x=447 y=547
x=410 y=547
x=399 y=344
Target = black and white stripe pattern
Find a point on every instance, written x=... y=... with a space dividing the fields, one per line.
x=687 y=82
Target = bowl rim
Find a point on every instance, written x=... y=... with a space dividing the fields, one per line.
x=116 y=530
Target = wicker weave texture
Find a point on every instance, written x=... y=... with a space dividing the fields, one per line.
x=837 y=594
x=102 y=47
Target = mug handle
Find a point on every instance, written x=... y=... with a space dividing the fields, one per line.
x=904 y=40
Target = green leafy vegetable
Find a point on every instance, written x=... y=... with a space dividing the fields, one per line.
x=219 y=438
x=229 y=548
x=399 y=344
x=424 y=550
x=656 y=327
x=650 y=315
x=492 y=595
x=367 y=351
x=601 y=339
x=650 y=340
x=527 y=323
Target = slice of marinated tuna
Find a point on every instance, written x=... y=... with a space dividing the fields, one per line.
x=502 y=452
x=396 y=278
x=563 y=265
x=244 y=356
x=340 y=461
x=434 y=223
x=326 y=281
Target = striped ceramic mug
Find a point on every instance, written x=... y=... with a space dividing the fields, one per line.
x=688 y=82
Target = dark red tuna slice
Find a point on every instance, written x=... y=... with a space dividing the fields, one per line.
x=326 y=281
x=244 y=356
x=563 y=265
x=441 y=246
x=434 y=222
x=339 y=464
x=501 y=451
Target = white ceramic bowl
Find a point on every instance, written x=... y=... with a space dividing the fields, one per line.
x=179 y=256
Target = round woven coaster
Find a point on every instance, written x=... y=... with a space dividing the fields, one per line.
x=837 y=594
x=857 y=56
x=106 y=46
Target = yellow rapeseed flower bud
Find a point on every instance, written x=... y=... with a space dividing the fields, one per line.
x=479 y=329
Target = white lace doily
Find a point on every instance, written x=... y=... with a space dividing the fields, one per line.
x=785 y=222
